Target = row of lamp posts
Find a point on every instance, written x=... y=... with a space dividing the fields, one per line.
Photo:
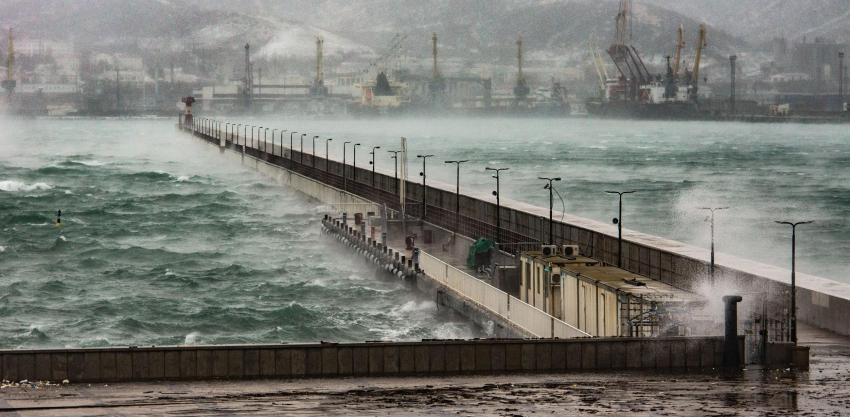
x=208 y=125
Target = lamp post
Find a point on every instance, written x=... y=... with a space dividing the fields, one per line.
x=273 y=141
x=498 y=203
x=314 y=151
x=302 y=147
x=712 y=209
x=354 y=163
x=551 y=202
x=281 y=142
x=424 y=188
x=327 y=153
x=266 y=140
x=619 y=222
x=372 y=162
x=793 y=326
x=457 y=192
x=245 y=139
x=344 y=167
x=395 y=176
x=226 y=131
x=291 y=148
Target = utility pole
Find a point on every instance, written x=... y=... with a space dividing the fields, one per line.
x=497 y=193
x=551 y=189
x=712 y=209
x=841 y=80
x=732 y=59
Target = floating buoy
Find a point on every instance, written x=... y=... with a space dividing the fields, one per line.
x=59 y=218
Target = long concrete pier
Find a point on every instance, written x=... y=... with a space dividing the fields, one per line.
x=821 y=302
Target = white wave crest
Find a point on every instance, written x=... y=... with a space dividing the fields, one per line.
x=20 y=186
x=92 y=163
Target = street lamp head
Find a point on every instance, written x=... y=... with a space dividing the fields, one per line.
x=346 y=143
x=356 y=144
x=329 y=139
x=496 y=193
x=314 y=137
x=557 y=178
x=303 y=134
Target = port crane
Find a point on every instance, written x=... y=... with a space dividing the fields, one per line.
x=9 y=83
x=679 y=45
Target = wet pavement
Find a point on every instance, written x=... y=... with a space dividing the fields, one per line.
x=822 y=391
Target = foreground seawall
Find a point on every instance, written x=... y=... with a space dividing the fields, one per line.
x=354 y=359
x=821 y=302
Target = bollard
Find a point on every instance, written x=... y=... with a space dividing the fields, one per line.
x=372 y=232
x=344 y=218
x=731 y=354
x=363 y=228
x=384 y=238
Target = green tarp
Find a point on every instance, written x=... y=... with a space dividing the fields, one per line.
x=479 y=252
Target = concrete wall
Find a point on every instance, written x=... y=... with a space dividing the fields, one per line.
x=344 y=359
x=821 y=302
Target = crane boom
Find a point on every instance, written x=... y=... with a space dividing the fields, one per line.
x=622 y=22
x=679 y=46
x=596 y=64
x=10 y=58
x=700 y=45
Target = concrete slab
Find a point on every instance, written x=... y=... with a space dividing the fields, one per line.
x=437 y=359
x=283 y=362
x=406 y=358
x=220 y=365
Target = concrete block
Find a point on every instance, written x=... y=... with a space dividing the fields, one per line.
x=452 y=358
x=558 y=356
x=361 y=360
x=483 y=360
x=497 y=357
x=422 y=358
x=390 y=359
x=647 y=354
x=235 y=363
x=437 y=358
x=59 y=362
x=266 y=362
x=618 y=355
x=544 y=357
x=692 y=353
x=91 y=366
x=467 y=357
x=123 y=366
x=252 y=362
x=633 y=355
x=678 y=355
x=529 y=357
x=603 y=355
x=406 y=359
x=574 y=355
x=26 y=366
x=75 y=366
x=588 y=355
x=188 y=364
x=344 y=361
x=706 y=350
x=43 y=368
x=10 y=367
x=108 y=366
x=141 y=365
x=220 y=365
x=204 y=361
x=172 y=364
x=282 y=362
x=299 y=362
x=662 y=354
x=376 y=360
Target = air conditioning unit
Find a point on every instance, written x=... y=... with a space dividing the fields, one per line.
x=556 y=279
x=549 y=250
x=570 y=250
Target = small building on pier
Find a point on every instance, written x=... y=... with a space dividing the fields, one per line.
x=602 y=300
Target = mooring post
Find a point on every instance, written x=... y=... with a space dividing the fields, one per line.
x=731 y=354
